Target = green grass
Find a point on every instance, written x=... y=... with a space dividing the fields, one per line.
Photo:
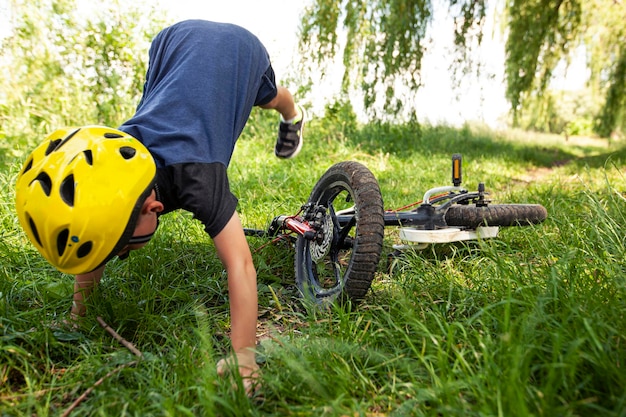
x=529 y=324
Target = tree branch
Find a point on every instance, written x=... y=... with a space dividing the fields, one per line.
x=119 y=338
x=124 y=342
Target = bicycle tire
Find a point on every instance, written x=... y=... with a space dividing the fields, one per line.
x=344 y=264
x=503 y=215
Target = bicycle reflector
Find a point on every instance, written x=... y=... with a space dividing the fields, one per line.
x=456 y=169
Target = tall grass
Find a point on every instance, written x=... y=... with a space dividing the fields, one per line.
x=529 y=324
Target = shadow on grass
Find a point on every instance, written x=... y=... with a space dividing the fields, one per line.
x=602 y=159
x=413 y=141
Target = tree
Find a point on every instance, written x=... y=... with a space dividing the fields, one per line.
x=384 y=43
x=35 y=81
x=605 y=40
x=68 y=66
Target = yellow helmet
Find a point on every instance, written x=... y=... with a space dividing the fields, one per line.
x=79 y=194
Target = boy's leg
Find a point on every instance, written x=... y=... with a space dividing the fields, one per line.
x=273 y=96
x=283 y=103
x=289 y=141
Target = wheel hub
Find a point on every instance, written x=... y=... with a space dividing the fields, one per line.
x=319 y=248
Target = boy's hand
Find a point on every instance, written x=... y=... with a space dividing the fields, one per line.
x=245 y=362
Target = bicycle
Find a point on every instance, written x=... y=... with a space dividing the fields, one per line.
x=339 y=231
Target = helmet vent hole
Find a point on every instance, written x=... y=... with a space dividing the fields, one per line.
x=127 y=152
x=67 y=190
x=28 y=166
x=112 y=135
x=62 y=241
x=33 y=229
x=64 y=141
x=45 y=181
x=88 y=156
x=84 y=249
x=52 y=146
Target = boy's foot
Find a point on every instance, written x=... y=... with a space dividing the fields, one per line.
x=289 y=140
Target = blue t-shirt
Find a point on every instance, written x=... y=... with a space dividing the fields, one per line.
x=203 y=80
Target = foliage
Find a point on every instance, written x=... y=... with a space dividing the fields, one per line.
x=340 y=113
x=550 y=36
x=604 y=38
x=66 y=66
x=115 y=50
x=36 y=86
x=561 y=112
x=614 y=111
x=540 y=34
x=385 y=42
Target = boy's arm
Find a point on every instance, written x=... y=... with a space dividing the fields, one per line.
x=83 y=284
x=234 y=252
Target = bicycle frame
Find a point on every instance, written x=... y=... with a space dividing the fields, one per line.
x=428 y=216
x=338 y=247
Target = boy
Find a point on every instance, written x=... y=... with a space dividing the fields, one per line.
x=89 y=194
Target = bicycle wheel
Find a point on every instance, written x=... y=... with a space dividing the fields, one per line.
x=342 y=261
x=495 y=215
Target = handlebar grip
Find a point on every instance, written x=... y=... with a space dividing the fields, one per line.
x=456 y=169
